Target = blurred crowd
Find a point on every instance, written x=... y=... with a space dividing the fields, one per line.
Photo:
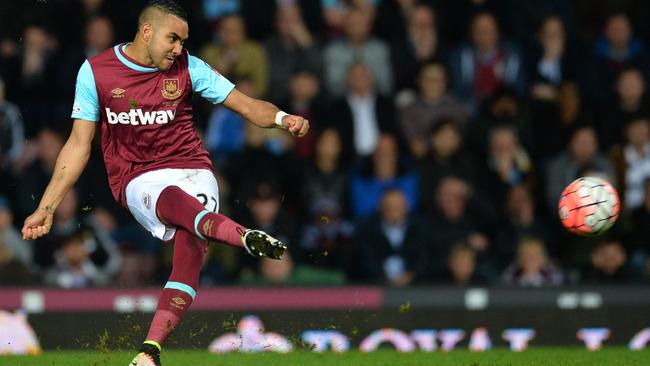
x=443 y=134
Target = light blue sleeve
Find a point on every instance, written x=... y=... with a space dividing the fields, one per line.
x=86 y=103
x=207 y=81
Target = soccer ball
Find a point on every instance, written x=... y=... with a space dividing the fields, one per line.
x=589 y=206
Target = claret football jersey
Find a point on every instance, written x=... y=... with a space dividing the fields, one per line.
x=145 y=113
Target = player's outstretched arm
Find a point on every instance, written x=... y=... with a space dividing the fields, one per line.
x=264 y=114
x=70 y=163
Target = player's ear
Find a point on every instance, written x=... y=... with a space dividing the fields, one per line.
x=147 y=32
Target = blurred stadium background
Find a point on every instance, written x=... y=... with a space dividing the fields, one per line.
x=424 y=197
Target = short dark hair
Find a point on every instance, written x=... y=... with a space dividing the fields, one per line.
x=166 y=6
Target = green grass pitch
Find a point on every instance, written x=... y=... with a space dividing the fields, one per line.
x=535 y=356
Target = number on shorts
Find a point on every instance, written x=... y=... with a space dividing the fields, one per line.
x=204 y=200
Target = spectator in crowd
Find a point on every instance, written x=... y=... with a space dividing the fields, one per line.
x=139 y=251
x=73 y=18
x=457 y=219
x=98 y=36
x=71 y=227
x=394 y=246
x=234 y=54
x=304 y=100
x=524 y=19
x=328 y=238
x=286 y=272
x=215 y=10
x=380 y=172
x=33 y=91
x=445 y=156
x=12 y=131
x=554 y=119
x=15 y=254
x=224 y=135
x=291 y=49
x=456 y=16
x=264 y=162
x=486 y=64
x=12 y=271
x=432 y=104
x=630 y=102
x=260 y=20
x=551 y=61
x=73 y=266
x=271 y=273
x=220 y=266
x=335 y=14
x=502 y=108
x=580 y=156
x=532 y=268
x=608 y=264
x=638 y=237
x=392 y=17
x=35 y=177
x=632 y=162
x=461 y=267
x=325 y=175
x=553 y=69
x=519 y=221
x=362 y=115
x=615 y=50
x=358 y=46
x=419 y=46
x=507 y=165
x=265 y=210
x=260 y=16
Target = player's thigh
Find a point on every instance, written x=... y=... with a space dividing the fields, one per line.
x=202 y=185
x=142 y=195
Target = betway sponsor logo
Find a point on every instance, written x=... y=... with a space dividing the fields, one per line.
x=137 y=117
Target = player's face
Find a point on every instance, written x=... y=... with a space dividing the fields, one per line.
x=167 y=41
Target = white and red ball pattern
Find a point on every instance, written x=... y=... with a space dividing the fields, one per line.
x=589 y=206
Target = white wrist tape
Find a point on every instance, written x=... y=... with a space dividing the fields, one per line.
x=278 y=118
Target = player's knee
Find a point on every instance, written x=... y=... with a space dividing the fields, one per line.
x=171 y=190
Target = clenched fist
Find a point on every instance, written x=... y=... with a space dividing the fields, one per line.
x=296 y=125
x=37 y=224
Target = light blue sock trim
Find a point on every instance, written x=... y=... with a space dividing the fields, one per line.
x=196 y=223
x=181 y=287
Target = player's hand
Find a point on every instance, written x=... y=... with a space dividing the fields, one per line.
x=296 y=125
x=37 y=224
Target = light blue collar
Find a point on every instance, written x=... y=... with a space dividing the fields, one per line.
x=129 y=63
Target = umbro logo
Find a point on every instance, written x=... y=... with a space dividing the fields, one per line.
x=118 y=93
x=177 y=302
x=207 y=227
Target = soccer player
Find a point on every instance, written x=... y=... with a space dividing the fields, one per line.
x=140 y=93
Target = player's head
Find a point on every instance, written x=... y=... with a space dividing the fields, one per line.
x=163 y=28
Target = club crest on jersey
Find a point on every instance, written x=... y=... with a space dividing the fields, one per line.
x=170 y=89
